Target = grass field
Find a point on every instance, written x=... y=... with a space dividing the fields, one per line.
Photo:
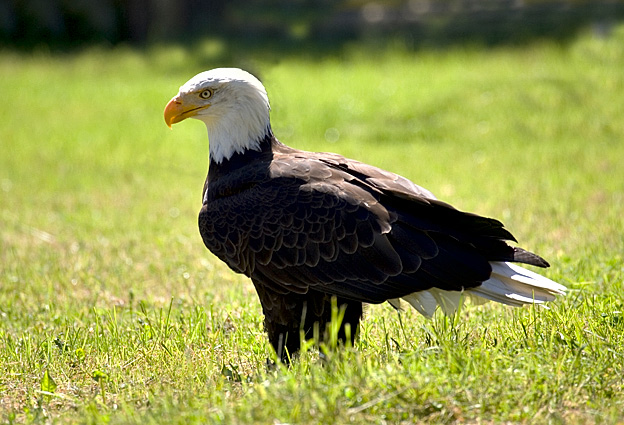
x=112 y=311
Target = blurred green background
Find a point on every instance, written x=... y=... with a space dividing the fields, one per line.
x=63 y=23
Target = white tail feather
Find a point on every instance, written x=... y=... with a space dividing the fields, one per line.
x=508 y=284
x=449 y=301
x=395 y=302
x=515 y=285
x=423 y=302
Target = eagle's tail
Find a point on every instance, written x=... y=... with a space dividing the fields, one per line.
x=508 y=284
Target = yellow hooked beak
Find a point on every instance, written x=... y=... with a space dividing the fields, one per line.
x=176 y=110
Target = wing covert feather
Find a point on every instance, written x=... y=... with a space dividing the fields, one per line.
x=349 y=229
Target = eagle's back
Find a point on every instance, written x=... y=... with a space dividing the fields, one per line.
x=295 y=220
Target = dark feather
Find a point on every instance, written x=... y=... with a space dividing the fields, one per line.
x=323 y=216
x=306 y=225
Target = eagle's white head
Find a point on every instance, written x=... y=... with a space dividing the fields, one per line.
x=231 y=102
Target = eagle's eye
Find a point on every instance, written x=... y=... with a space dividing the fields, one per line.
x=206 y=94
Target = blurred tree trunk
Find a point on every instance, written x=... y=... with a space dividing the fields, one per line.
x=150 y=20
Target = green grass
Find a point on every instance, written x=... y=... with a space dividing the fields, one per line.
x=112 y=311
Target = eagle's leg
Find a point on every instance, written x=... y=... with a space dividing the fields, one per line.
x=350 y=323
x=288 y=318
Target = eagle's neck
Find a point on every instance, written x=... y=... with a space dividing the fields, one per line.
x=225 y=142
x=262 y=153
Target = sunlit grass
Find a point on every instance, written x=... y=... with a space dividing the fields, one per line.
x=105 y=283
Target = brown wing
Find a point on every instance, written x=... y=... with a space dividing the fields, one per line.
x=341 y=227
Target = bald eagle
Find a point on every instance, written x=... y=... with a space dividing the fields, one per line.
x=311 y=228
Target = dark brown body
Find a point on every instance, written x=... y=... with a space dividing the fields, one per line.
x=308 y=226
